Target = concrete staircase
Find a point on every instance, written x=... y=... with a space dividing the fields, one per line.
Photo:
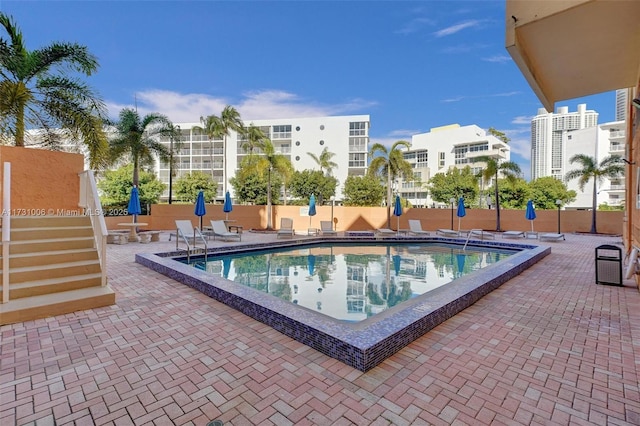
x=53 y=269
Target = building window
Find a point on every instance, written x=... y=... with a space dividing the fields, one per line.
x=297 y=158
x=282 y=132
x=358 y=128
x=297 y=143
x=357 y=160
x=321 y=142
x=297 y=128
x=441 y=159
x=357 y=144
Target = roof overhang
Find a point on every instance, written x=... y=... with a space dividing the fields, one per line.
x=568 y=49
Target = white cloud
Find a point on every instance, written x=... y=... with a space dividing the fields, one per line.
x=256 y=105
x=522 y=119
x=457 y=28
x=494 y=95
x=501 y=59
x=414 y=25
x=520 y=145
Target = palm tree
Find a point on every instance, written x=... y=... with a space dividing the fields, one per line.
x=137 y=138
x=33 y=94
x=324 y=160
x=212 y=127
x=255 y=139
x=272 y=162
x=231 y=120
x=510 y=170
x=610 y=167
x=389 y=164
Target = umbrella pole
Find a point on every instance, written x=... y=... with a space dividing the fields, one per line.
x=531 y=226
x=398 y=226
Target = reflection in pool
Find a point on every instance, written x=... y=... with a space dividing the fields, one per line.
x=351 y=282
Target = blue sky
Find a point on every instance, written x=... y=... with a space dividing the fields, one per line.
x=410 y=65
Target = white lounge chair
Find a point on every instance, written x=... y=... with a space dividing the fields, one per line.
x=385 y=232
x=447 y=233
x=483 y=235
x=551 y=236
x=513 y=234
x=326 y=228
x=415 y=228
x=185 y=232
x=219 y=229
x=286 y=227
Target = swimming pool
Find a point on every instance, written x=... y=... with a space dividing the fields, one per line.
x=366 y=343
x=351 y=282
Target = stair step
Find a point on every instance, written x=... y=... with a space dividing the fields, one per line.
x=50 y=232
x=56 y=270
x=50 y=244
x=53 y=256
x=37 y=221
x=31 y=308
x=53 y=285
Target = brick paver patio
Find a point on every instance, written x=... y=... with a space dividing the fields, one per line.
x=548 y=347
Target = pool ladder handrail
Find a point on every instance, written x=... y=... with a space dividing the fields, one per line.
x=469 y=237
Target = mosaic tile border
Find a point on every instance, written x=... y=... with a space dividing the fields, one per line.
x=365 y=344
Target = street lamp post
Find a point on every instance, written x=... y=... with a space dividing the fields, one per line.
x=171 y=162
x=558 y=203
x=452 y=200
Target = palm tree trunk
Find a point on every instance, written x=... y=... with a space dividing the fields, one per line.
x=20 y=126
x=594 y=206
x=269 y=225
x=389 y=199
x=497 y=195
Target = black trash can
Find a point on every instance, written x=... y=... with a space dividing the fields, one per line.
x=608 y=265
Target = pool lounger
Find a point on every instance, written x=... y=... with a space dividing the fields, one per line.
x=483 y=235
x=386 y=232
x=513 y=234
x=447 y=233
x=553 y=237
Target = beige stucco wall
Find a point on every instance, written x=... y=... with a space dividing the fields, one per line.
x=163 y=216
x=41 y=180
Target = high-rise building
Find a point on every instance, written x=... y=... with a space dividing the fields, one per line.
x=548 y=138
x=622 y=97
x=345 y=136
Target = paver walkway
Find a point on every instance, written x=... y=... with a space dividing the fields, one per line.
x=548 y=347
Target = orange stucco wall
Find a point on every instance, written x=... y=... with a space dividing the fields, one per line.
x=42 y=182
x=163 y=217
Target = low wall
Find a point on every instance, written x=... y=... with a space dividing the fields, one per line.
x=163 y=217
x=42 y=182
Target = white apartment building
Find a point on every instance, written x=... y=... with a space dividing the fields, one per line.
x=597 y=142
x=548 y=131
x=556 y=137
x=442 y=148
x=345 y=136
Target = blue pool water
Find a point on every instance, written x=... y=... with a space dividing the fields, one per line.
x=351 y=282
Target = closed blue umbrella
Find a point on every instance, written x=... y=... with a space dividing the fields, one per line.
x=226 y=266
x=228 y=205
x=397 y=260
x=134 y=203
x=200 y=209
x=461 y=211
x=312 y=208
x=397 y=211
x=530 y=213
x=460 y=259
x=311 y=264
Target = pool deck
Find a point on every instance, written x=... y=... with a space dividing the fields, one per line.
x=548 y=347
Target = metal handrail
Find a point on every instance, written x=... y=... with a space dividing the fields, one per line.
x=196 y=233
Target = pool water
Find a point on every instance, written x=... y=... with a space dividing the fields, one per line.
x=351 y=282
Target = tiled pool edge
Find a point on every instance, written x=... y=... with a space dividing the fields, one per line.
x=364 y=345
